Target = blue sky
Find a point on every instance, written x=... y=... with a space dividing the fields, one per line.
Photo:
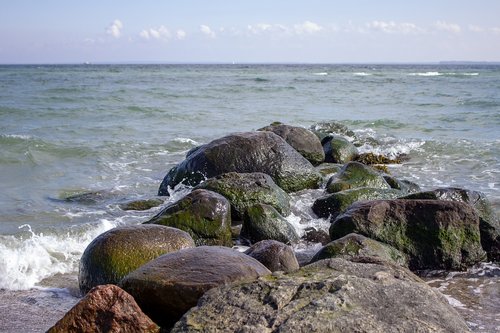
x=313 y=31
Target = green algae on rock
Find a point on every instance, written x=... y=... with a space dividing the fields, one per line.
x=354 y=175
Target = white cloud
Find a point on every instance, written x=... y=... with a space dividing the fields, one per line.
x=180 y=34
x=115 y=29
x=161 y=33
x=449 y=27
x=392 y=27
x=475 y=28
x=205 y=29
x=263 y=28
x=307 y=27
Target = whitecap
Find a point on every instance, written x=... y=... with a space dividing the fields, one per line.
x=321 y=74
x=186 y=140
x=426 y=74
x=361 y=74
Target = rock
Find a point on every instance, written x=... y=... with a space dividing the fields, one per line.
x=339 y=150
x=489 y=224
x=141 y=204
x=91 y=197
x=313 y=235
x=335 y=295
x=204 y=214
x=336 y=203
x=246 y=152
x=328 y=169
x=105 y=308
x=405 y=186
x=371 y=158
x=355 y=175
x=275 y=255
x=244 y=190
x=117 y=252
x=262 y=222
x=434 y=234
x=301 y=139
x=325 y=129
x=354 y=245
x=170 y=285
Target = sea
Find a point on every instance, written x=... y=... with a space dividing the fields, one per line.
x=112 y=132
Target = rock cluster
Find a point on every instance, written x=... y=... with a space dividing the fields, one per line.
x=181 y=270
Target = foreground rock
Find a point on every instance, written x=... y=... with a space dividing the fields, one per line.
x=338 y=150
x=244 y=153
x=356 y=175
x=105 y=308
x=205 y=215
x=262 y=222
x=244 y=190
x=275 y=255
x=117 y=252
x=301 y=139
x=170 y=285
x=489 y=224
x=354 y=245
x=434 y=234
x=335 y=295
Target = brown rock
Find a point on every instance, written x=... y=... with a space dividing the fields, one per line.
x=106 y=308
x=275 y=255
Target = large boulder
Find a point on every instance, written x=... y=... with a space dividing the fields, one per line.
x=335 y=203
x=244 y=153
x=302 y=140
x=434 y=234
x=170 y=285
x=489 y=224
x=244 y=190
x=105 y=308
x=275 y=255
x=117 y=252
x=354 y=245
x=262 y=222
x=336 y=295
x=355 y=175
x=339 y=150
x=204 y=214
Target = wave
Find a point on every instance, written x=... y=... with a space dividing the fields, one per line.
x=442 y=74
x=361 y=74
x=321 y=74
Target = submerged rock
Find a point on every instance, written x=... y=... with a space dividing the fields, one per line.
x=336 y=295
x=244 y=190
x=117 y=252
x=339 y=150
x=204 y=214
x=141 y=204
x=275 y=255
x=301 y=139
x=354 y=245
x=434 y=234
x=246 y=152
x=105 y=308
x=262 y=222
x=328 y=169
x=170 y=285
x=355 y=175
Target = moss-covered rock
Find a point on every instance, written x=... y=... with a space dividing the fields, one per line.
x=339 y=150
x=204 y=214
x=434 y=234
x=355 y=175
x=328 y=169
x=325 y=129
x=354 y=245
x=245 y=152
x=405 y=186
x=141 y=204
x=244 y=190
x=117 y=252
x=262 y=222
x=336 y=203
x=275 y=255
x=371 y=158
x=170 y=285
x=489 y=222
x=301 y=139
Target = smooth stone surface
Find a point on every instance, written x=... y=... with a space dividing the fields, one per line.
x=355 y=175
x=275 y=255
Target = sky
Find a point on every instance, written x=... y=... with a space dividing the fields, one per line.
x=257 y=31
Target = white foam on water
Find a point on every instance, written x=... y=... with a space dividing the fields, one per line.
x=186 y=140
x=321 y=74
x=426 y=74
x=361 y=74
x=24 y=262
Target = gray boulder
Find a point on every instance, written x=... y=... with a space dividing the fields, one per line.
x=336 y=295
x=244 y=190
x=246 y=152
x=204 y=214
x=170 y=285
x=119 y=251
x=301 y=139
x=339 y=150
x=275 y=255
x=434 y=234
x=355 y=175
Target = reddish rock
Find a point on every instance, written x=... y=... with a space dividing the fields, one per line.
x=106 y=308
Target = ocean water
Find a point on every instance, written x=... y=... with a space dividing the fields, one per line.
x=117 y=129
